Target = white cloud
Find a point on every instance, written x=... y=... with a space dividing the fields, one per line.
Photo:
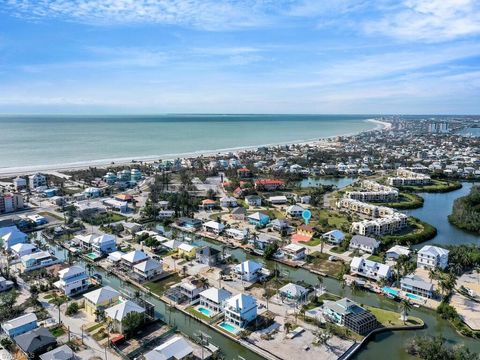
x=428 y=20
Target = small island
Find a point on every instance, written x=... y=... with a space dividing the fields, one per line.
x=466 y=211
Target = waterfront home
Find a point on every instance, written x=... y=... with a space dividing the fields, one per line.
x=304 y=233
x=238 y=213
x=187 y=251
x=432 y=257
x=131 y=228
x=346 y=312
x=104 y=244
x=364 y=243
x=293 y=292
x=396 y=251
x=85 y=241
x=35 y=342
x=236 y=234
x=117 y=313
x=19 y=250
x=37 y=180
x=260 y=241
x=249 y=270
x=294 y=252
x=115 y=257
x=208 y=256
x=20 y=325
x=269 y=184
x=110 y=178
x=334 y=237
x=189 y=223
x=278 y=200
x=148 y=269
x=240 y=310
x=116 y=205
x=100 y=299
x=19 y=183
x=370 y=269
x=208 y=204
x=5 y=284
x=213 y=227
x=280 y=225
x=61 y=353
x=214 y=299
x=253 y=200
x=37 y=219
x=133 y=257
x=38 y=260
x=176 y=348
x=171 y=245
x=73 y=280
x=228 y=201
x=191 y=290
x=294 y=211
x=92 y=192
x=258 y=219
x=10 y=236
x=416 y=285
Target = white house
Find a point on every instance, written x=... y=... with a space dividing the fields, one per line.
x=249 y=270
x=278 y=200
x=148 y=269
x=73 y=280
x=396 y=251
x=176 y=348
x=10 y=236
x=364 y=243
x=431 y=257
x=38 y=260
x=253 y=200
x=240 y=310
x=214 y=299
x=213 y=227
x=293 y=292
x=370 y=269
x=228 y=201
x=294 y=252
x=294 y=211
x=37 y=180
x=104 y=244
x=134 y=257
x=334 y=237
x=19 y=250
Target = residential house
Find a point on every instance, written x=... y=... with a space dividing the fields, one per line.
x=294 y=211
x=304 y=233
x=240 y=310
x=73 y=280
x=253 y=200
x=35 y=342
x=269 y=184
x=293 y=292
x=236 y=234
x=10 y=236
x=346 y=312
x=63 y=352
x=19 y=183
x=92 y=192
x=364 y=243
x=189 y=223
x=213 y=227
x=416 y=285
x=37 y=180
x=208 y=256
x=104 y=244
x=280 y=225
x=228 y=201
x=134 y=257
x=294 y=252
x=131 y=228
x=334 y=237
x=258 y=219
x=249 y=270
x=148 y=269
x=100 y=299
x=20 y=325
x=278 y=200
x=19 y=250
x=208 y=204
x=214 y=299
x=187 y=250
x=396 y=251
x=238 y=213
x=176 y=348
x=117 y=313
x=5 y=284
x=370 y=269
x=191 y=289
x=432 y=257
x=38 y=260
x=85 y=241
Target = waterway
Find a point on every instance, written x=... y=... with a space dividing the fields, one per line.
x=435 y=211
x=387 y=345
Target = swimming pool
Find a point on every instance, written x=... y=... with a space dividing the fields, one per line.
x=229 y=327
x=205 y=311
x=413 y=297
x=92 y=256
x=389 y=291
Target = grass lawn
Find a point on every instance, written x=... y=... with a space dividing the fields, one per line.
x=338 y=250
x=328 y=219
x=329 y=296
x=406 y=201
x=390 y=318
x=197 y=314
x=376 y=258
x=58 y=331
x=94 y=327
x=313 y=242
x=159 y=287
x=49 y=214
x=321 y=263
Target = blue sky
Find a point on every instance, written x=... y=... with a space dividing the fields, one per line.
x=240 y=56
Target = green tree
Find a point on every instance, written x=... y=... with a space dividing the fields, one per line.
x=132 y=322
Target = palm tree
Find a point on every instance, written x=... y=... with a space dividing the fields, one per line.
x=405 y=307
x=432 y=275
x=57 y=301
x=288 y=327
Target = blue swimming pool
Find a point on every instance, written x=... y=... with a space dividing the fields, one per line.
x=413 y=297
x=229 y=327
x=389 y=291
x=205 y=311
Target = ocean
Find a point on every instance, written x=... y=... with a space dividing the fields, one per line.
x=36 y=142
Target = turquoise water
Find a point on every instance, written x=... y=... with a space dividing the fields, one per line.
x=229 y=327
x=412 y=296
x=33 y=141
x=204 y=311
x=388 y=290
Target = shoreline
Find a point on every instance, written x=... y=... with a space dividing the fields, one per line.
x=105 y=163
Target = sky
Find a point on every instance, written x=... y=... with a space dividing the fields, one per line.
x=240 y=56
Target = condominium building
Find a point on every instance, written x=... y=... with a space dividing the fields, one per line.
x=11 y=203
x=407 y=177
x=381 y=226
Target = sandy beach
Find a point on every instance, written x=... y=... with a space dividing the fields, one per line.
x=105 y=163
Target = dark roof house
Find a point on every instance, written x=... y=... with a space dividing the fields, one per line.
x=35 y=342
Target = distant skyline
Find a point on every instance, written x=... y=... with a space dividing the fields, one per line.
x=240 y=56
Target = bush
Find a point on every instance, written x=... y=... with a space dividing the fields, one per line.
x=72 y=309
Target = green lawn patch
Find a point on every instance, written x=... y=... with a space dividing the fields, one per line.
x=417 y=232
x=58 y=331
x=94 y=327
x=390 y=318
x=376 y=258
x=49 y=214
x=406 y=201
x=197 y=314
x=437 y=186
x=313 y=242
x=159 y=287
x=320 y=262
